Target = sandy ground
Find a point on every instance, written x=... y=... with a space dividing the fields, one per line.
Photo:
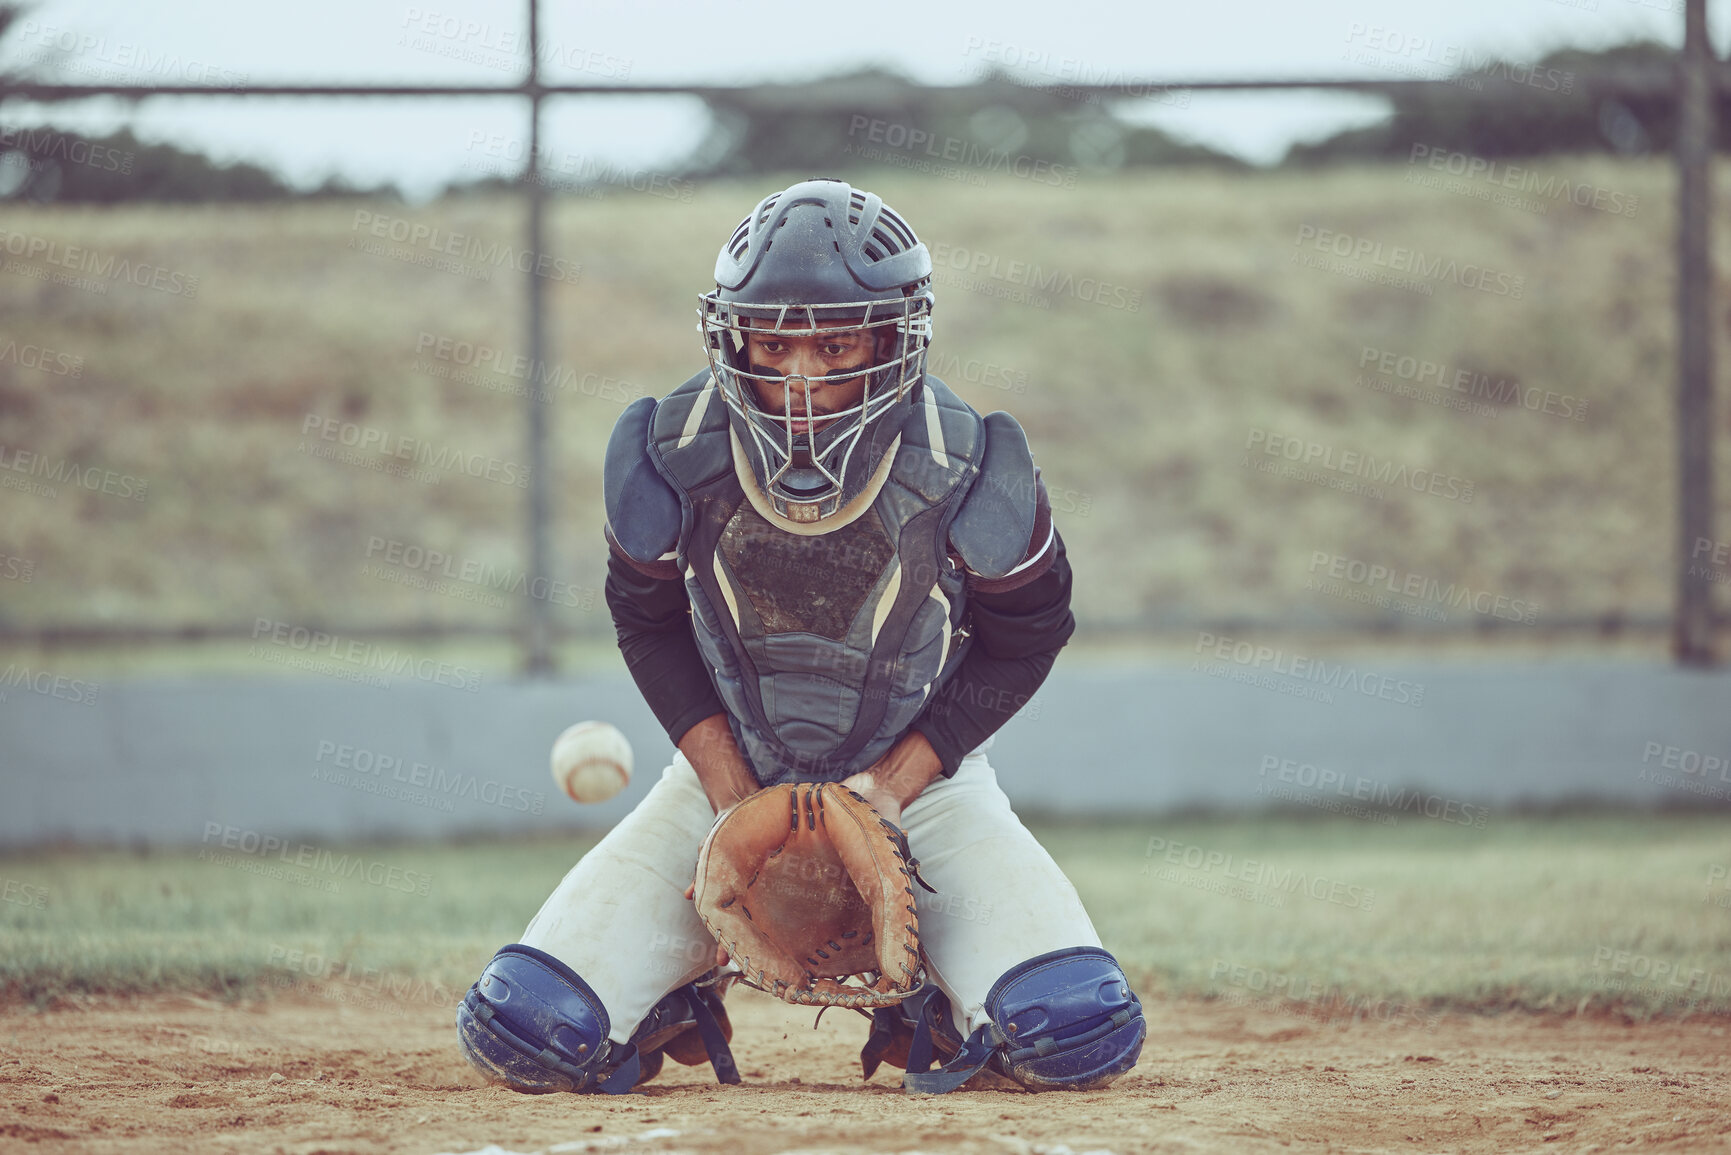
x=307 y=1072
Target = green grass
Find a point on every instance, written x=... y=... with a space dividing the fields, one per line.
x=1526 y=912
x=208 y=921
x=1529 y=913
x=1139 y=419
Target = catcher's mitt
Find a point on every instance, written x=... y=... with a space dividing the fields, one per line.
x=806 y=884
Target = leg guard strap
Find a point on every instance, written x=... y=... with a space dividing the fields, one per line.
x=687 y=1008
x=1065 y=1019
x=908 y=1024
x=969 y=1061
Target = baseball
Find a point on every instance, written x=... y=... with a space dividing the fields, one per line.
x=591 y=761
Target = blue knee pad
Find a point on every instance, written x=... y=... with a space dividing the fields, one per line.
x=532 y=1023
x=1066 y=1019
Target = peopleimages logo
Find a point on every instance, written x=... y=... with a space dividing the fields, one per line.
x=1690 y=771
x=1411 y=262
x=1718 y=554
x=421 y=783
x=1066 y=77
x=98 y=58
x=1255 y=661
x=1404 y=583
x=571 y=171
x=1520 y=179
x=395 y=445
x=1089 y=290
x=399 y=987
x=462 y=246
x=1318 y=999
x=1260 y=875
x=957 y=150
x=471 y=571
x=41 y=358
x=100 y=268
x=92 y=478
x=48 y=684
x=253 y=845
x=1669 y=976
x=23 y=894
x=1718 y=873
x=1417 y=54
x=302 y=647
x=1497 y=390
x=1692 y=762
x=47 y=144
x=976 y=372
x=1368 y=467
x=458 y=37
x=540 y=376
x=1321 y=779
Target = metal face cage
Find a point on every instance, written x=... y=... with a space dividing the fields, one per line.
x=803 y=472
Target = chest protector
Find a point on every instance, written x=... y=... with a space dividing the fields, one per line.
x=823 y=646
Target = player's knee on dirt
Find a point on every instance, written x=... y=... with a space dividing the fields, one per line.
x=1062 y=1020
x=531 y=1023
x=1069 y=1020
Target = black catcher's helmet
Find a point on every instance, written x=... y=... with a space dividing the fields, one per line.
x=820 y=255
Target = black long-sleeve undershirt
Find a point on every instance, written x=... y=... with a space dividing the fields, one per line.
x=652 y=618
x=1016 y=636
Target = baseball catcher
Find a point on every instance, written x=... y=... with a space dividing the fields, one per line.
x=833 y=582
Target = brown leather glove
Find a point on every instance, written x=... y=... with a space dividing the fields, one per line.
x=807 y=886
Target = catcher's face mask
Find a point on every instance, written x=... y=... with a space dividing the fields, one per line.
x=807 y=383
x=813 y=260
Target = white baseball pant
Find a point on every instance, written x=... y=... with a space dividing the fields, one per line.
x=621 y=920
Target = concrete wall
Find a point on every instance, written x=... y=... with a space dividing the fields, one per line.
x=160 y=760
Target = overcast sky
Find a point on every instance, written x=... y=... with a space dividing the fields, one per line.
x=422 y=143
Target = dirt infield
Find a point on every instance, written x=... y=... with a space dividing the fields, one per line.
x=305 y=1073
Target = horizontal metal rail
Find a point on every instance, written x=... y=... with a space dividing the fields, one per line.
x=1655 y=82
x=76 y=635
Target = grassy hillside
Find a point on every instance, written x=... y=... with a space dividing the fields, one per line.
x=1142 y=419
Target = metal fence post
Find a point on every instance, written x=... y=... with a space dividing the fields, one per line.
x=1692 y=639
x=538 y=611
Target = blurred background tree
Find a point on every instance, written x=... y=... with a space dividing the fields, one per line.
x=1488 y=114
x=826 y=127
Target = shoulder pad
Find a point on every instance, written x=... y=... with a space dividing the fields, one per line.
x=689 y=434
x=945 y=425
x=996 y=520
x=642 y=509
x=940 y=439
